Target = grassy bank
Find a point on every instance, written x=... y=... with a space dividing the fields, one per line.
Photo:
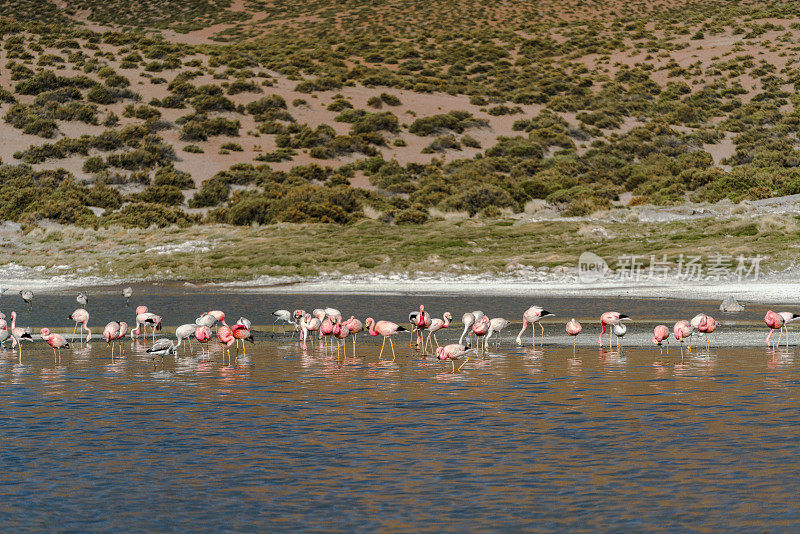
x=219 y=252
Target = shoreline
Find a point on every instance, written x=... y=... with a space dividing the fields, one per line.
x=760 y=292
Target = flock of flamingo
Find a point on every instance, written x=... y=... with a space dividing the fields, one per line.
x=328 y=325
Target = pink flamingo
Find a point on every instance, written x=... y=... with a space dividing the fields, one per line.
x=354 y=326
x=111 y=333
x=225 y=337
x=531 y=316
x=56 y=341
x=18 y=334
x=480 y=329
x=705 y=324
x=81 y=317
x=436 y=325
x=139 y=311
x=609 y=319
x=683 y=330
x=573 y=328
x=340 y=332
x=203 y=335
x=496 y=326
x=310 y=324
x=386 y=329
x=298 y=314
x=661 y=334
x=241 y=333
x=325 y=329
x=453 y=352
x=422 y=321
x=773 y=321
x=788 y=317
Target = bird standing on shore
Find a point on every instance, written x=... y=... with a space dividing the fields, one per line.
x=127 y=293
x=82 y=300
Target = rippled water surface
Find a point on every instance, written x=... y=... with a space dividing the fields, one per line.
x=288 y=440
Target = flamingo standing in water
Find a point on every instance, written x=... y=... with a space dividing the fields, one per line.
x=610 y=319
x=127 y=293
x=422 y=321
x=111 y=334
x=326 y=330
x=661 y=334
x=496 y=326
x=81 y=317
x=309 y=323
x=27 y=296
x=285 y=316
x=203 y=335
x=184 y=333
x=532 y=316
x=143 y=320
x=705 y=324
x=386 y=329
x=225 y=337
x=683 y=330
x=56 y=341
x=354 y=326
x=241 y=333
x=340 y=332
x=788 y=317
x=436 y=325
x=573 y=328
x=454 y=352
x=480 y=329
x=18 y=334
x=468 y=319
x=774 y=321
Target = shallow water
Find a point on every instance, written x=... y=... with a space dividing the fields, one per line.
x=553 y=439
x=290 y=440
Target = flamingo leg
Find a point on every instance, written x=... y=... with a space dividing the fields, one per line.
x=454 y=365
x=463 y=364
x=382 y=346
x=392 y=345
x=436 y=340
x=354 y=345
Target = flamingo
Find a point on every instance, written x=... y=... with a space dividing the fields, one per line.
x=354 y=326
x=127 y=293
x=136 y=331
x=298 y=314
x=18 y=334
x=56 y=341
x=420 y=320
x=573 y=328
x=454 y=352
x=610 y=319
x=184 y=333
x=773 y=321
x=285 y=316
x=532 y=316
x=143 y=320
x=81 y=317
x=386 y=329
x=326 y=329
x=661 y=334
x=333 y=313
x=436 y=325
x=225 y=337
x=468 y=319
x=683 y=330
x=218 y=315
x=480 y=329
x=27 y=296
x=203 y=335
x=497 y=325
x=4 y=335
x=241 y=333
x=111 y=333
x=162 y=347
x=705 y=324
x=788 y=317
x=340 y=332
x=312 y=324
x=123 y=330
